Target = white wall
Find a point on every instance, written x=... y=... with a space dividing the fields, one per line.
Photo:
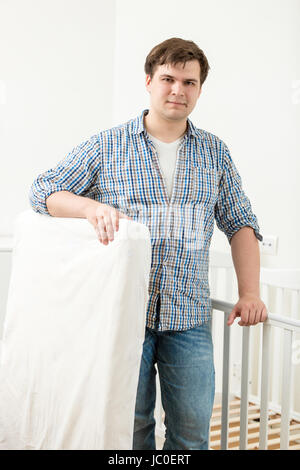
x=70 y=68
x=56 y=87
x=248 y=99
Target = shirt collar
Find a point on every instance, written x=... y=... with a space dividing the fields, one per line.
x=138 y=125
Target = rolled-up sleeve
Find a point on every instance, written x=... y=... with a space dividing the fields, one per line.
x=76 y=173
x=233 y=208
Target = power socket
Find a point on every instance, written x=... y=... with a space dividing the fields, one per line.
x=236 y=370
x=269 y=245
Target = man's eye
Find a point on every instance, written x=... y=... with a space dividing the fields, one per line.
x=189 y=83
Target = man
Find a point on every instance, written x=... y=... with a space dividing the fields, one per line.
x=161 y=170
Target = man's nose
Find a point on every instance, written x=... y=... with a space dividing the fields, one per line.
x=177 y=88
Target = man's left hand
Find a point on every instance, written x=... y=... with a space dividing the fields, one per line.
x=251 y=309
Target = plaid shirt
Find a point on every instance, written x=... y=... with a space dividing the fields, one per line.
x=120 y=167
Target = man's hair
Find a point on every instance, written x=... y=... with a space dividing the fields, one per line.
x=173 y=51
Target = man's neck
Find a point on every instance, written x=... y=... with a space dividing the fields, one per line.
x=166 y=131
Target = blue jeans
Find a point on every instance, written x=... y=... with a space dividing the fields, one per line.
x=187 y=381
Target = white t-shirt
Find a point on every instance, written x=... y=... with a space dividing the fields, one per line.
x=167 y=153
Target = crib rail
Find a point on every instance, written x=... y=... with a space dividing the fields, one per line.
x=290 y=327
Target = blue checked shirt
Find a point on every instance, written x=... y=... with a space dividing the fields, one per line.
x=120 y=167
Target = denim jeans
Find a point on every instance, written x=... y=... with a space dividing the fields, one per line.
x=187 y=381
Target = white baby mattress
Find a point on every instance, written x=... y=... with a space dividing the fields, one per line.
x=73 y=334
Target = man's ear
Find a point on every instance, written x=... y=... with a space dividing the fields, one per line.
x=148 y=81
x=200 y=91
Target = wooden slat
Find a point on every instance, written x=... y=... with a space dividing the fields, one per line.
x=250 y=426
x=273 y=433
x=232 y=403
x=255 y=435
x=271 y=442
x=235 y=419
x=235 y=410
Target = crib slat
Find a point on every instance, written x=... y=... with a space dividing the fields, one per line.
x=225 y=384
x=286 y=389
x=245 y=388
x=265 y=298
x=295 y=312
x=265 y=375
x=279 y=295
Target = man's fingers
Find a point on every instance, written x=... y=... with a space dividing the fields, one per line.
x=250 y=313
x=257 y=316
x=264 y=314
x=109 y=227
x=252 y=316
x=105 y=220
x=245 y=316
x=232 y=317
x=113 y=222
x=260 y=315
x=109 y=223
x=101 y=228
x=115 y=219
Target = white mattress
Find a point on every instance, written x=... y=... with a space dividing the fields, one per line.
x=73 y=334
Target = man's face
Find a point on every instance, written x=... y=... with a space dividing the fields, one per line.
x=174 y=90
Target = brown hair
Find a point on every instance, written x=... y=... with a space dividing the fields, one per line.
x=175 y=50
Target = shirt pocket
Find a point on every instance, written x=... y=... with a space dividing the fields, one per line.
x=205 y=186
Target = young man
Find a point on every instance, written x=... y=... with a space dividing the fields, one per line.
x=161 y=170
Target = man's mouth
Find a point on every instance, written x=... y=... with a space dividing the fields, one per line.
x=175 y=102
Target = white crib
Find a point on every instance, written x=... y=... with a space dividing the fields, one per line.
x=255 y=366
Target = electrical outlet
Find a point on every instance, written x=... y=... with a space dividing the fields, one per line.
x=236 y=372
x=269 y=245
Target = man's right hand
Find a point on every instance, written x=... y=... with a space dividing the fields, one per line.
x=105 y=220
